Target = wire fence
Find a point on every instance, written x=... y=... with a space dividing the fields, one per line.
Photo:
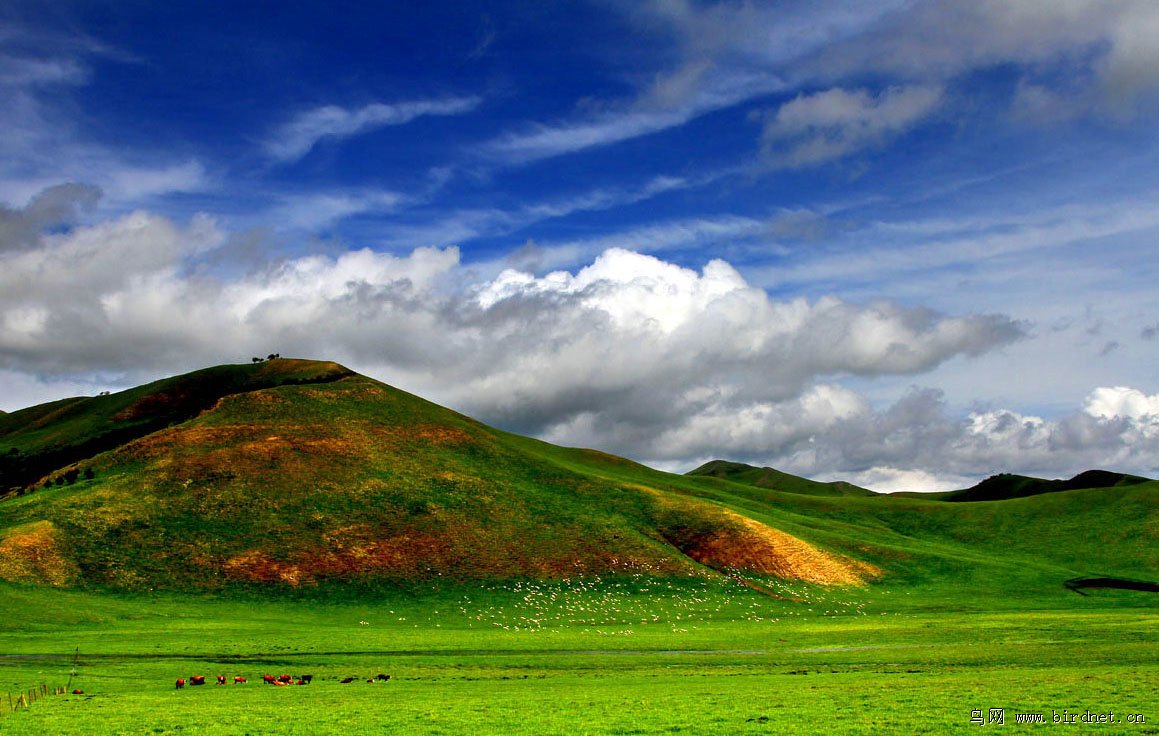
x=23 y=699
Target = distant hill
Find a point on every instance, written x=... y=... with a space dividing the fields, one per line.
x=1006 y=486
x=776 y=479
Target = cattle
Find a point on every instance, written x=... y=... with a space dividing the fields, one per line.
x=382 y=677
x=285 y=678
x=221 y=679
x=306 y=679
x=78 y=691
x=239 y=680
x=370 y=679
x=180 y=683
x=197 y=680
x=269 y=679
x=348 y=680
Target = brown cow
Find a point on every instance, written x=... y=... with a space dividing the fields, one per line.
x=347 y=680
x=221 y=679
x=269 y=679
x=239 y=680
x=197 y=680
x=180 y=682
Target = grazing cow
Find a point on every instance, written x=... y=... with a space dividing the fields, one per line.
x=370 y=679
x=269 y=679
x=348 y=680
x=180 y=682
x=221 y=679
x=382 y=677
x=279 y=683
x=239 y=680
x=78 y=691
x=285 y=678
x=197 y=680
x=306 y=679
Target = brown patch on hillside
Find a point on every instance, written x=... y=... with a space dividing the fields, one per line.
x=724 y=540
x=30 y=554
x=746 y=544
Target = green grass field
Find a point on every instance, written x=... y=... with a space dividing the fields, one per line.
x=633 y=655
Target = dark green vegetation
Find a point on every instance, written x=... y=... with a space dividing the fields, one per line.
x=299 y=518
x=1004 y=486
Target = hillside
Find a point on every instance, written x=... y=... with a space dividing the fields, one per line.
x=297 y=473
x=776 y=480
x=302 y=475
x=40 y=439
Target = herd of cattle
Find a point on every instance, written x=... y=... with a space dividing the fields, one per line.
x=279 y=681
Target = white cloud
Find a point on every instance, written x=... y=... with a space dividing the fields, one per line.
x=1123 y=402
x=821 y=127
x=629 y=353
x=308 y=212
x=884 y=479
x=130 y=183
x=617 y=336
x=296 y=138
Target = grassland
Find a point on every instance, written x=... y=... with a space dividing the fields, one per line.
x=624 y=655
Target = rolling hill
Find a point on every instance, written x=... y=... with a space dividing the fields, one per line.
x=1006 y=485
x=300 y=473
x=776 y=480
x=303 y=475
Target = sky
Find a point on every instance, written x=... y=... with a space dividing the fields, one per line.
x=908 y=243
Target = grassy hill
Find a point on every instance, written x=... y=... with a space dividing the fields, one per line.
x=295 y=473
x=300 y=475
x=1006 y=485
x=776 y=480
x=38 y=440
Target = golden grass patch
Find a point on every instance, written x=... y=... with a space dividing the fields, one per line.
x=30 y=554
x=750 y=545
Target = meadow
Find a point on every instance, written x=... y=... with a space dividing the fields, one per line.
x=632 y=654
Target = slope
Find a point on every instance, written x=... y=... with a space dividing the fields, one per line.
x=1017 y=547
x=302 y=474
x=37 y=440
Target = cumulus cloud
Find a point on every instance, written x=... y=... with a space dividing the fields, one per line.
x=630 y=353
x=813 y=129
x=622 y=336
x=297 y=137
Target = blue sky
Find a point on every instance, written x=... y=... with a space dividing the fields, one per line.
x=908 y=243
